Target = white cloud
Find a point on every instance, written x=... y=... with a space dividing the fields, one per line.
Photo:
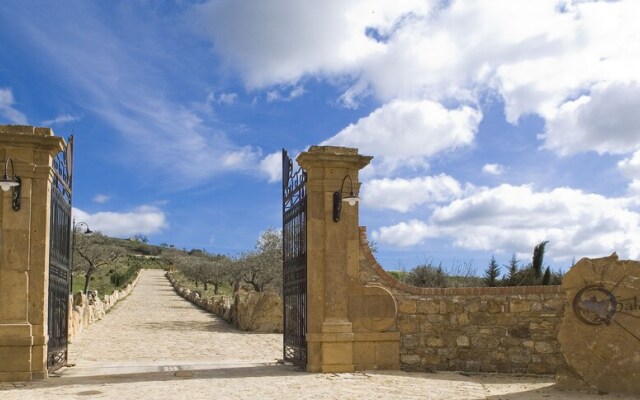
x=227 y=98
x=634 y=187
x=60 y=119
x=329 y=35
x=146 y=220
x=492 y=169
x=222 y=98
x=406 y=194
x=277 y=95
x=630 y=167
x=539 y=56
x=607 y=121
x=7 y=110
x=403 y=234
x=403 y=133
x=101 y=198
x=271 y=165
x=514 y=218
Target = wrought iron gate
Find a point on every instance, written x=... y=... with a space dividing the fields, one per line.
x=294 y=234
x=60 y=258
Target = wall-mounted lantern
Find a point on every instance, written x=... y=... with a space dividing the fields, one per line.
x=351 y=199
x=14 y=183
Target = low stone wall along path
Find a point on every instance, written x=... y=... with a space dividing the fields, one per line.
x=156 y=345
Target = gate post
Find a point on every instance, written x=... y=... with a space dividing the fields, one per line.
x=332 y=257
x=24 y=252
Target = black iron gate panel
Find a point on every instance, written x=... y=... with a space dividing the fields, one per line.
x=60 y=258
x=294 y=235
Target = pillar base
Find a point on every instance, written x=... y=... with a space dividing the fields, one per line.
x=23 y=354
x=330 y=352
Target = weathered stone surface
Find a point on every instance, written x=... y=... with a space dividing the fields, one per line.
x=252 y=311
x=407 y=307
x=86 y=310
x=544 y=347
x=260 y=312
x=463 y=319
x=410 y=359
x=434 y=342
x=512 y=330
x=520 y=332
x=428 y=307
x=519 y=356
x=517 y=306
x=374 y=310
x=600 y=333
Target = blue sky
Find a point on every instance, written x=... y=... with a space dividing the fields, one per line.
x=493 y=125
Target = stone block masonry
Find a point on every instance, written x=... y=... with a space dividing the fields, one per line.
x=255 y=312
x=85 y=310
x=504 y=329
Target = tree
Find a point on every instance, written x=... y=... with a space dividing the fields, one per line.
x=212 y=269
x=538 y=259
x=512 y=270
x=262 y=267
x=140 y=238
x=93 y=251
x=201 y=267
x=492 y=272
x=546 y=279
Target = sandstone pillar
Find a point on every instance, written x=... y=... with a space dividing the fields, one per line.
x=24 y=252
x=334 y=293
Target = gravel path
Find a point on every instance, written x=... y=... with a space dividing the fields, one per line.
x=154 y=324
x=156 y=345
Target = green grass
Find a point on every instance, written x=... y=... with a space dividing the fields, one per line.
x=102 y=280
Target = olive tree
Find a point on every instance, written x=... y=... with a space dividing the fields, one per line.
x=262 y=267
x=202 y=267
x=91 y=251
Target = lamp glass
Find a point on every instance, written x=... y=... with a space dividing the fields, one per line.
x=6 y=184
x=351 y=199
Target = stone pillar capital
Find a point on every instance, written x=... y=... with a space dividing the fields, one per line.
x=332 y=157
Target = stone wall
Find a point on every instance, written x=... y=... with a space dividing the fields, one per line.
x=84 y=310
x=252 y=311
x=600 y=333
x=505 y=329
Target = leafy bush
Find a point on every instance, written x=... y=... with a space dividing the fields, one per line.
x=426 y=276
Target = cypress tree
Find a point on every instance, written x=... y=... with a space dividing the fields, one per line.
x=492 y=272
x=538 y=258
x=546 y=279
x=512 y=270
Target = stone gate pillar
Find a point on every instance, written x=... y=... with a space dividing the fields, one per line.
x=24 y=252
x=337 y=304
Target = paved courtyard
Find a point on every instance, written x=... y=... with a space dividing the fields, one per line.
x=156 y=345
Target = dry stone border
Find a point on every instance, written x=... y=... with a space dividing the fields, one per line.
x=85 y=310
x=252 y=311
